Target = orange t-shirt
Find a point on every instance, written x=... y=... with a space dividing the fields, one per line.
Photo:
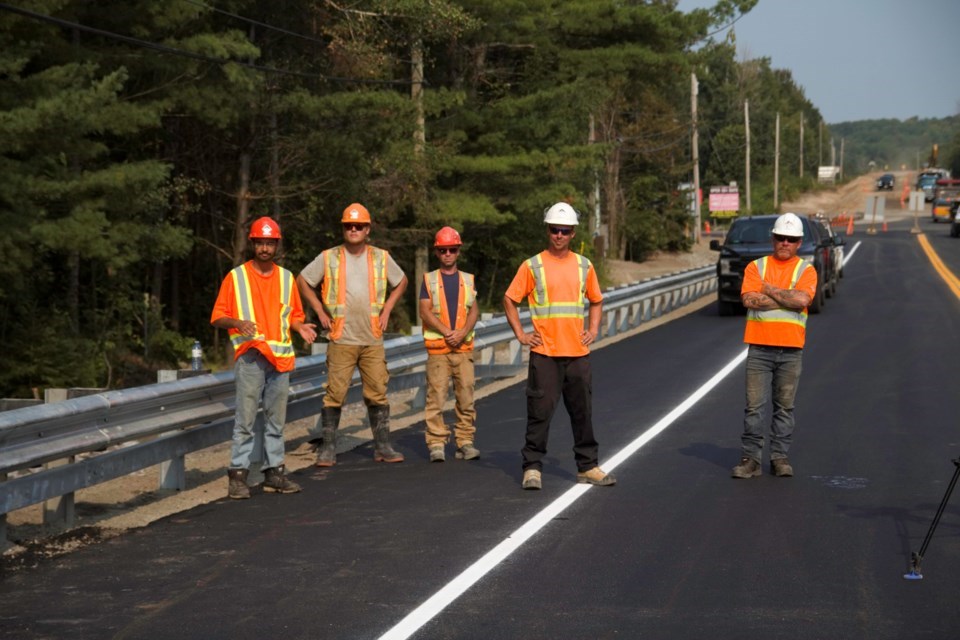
x=267 y=308
x=561 y=336
x=777 y=273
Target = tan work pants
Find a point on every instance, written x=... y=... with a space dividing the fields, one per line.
x=440 y=369
x=343 y=359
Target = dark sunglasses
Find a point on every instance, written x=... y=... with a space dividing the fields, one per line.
x=451 y=250
x=561 y=231
x=789 y=239
x=352 y=226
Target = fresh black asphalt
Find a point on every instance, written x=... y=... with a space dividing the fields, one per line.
x=676 y=550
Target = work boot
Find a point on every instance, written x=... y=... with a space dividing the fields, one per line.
x=781 y=468
x=437 y=453
x=237 y=484
x=748 y=468
x=327 y=446
x=276 y=481
x=379 y=415
x=531 y=479
x=596 y=476
x=467 y=452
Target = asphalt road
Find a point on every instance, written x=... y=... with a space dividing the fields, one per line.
x=676 y=550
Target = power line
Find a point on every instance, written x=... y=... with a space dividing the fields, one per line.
x=189 y=54
x=256 y=22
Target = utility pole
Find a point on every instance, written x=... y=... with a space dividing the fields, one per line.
x=595 y=198
x=842 y=140
x=776 y=165
x=695 y=153
x=801 y=144
x=746 y=124
x=820 y=144
x=421 y=261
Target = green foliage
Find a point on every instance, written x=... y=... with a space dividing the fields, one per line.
x=894 y=144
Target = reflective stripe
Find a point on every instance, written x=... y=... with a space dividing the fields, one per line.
x=787 y=316
x=540 y=305
x=282 y=348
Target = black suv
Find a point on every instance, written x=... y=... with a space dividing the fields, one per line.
x=749 y=238
x=885 y=182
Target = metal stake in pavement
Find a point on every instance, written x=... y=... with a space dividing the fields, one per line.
x=917 y=557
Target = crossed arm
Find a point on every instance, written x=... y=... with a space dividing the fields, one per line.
x=770 y=297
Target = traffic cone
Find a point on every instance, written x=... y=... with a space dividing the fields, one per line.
x=849 y=225
x=884 y=226
x=706 y=227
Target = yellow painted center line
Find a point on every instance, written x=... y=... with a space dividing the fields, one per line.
x=952 y=281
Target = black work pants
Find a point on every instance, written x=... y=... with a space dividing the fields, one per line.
x=547 y=379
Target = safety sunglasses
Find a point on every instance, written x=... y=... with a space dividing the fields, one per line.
x=451 y=250
x=561 y=231
x=352 y=226
x=790 y=239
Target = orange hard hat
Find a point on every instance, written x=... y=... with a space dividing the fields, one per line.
x=265 y=228
x=356 y=212
x=447 y=237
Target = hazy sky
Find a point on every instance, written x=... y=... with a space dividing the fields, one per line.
x=860 y=59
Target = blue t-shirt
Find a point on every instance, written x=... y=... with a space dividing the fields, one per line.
x=451 y=291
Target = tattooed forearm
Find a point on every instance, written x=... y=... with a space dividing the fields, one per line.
x=759 y=301
x=789 y=298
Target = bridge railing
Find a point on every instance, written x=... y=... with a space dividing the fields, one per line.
x=50 y=451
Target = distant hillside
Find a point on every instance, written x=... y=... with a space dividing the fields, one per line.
x=895 y=143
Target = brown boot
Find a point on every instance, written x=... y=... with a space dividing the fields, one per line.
x=276 y=481
x=237 y=486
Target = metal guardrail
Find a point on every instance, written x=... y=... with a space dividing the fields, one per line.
x=53 y=450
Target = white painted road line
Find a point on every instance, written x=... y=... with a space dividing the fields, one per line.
x=454 y=589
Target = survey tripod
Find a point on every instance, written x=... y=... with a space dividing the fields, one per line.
x=917 y=557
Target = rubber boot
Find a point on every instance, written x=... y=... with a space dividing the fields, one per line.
x=380 y=424
x=237 y=485
x=276 y=481
x=327 y=449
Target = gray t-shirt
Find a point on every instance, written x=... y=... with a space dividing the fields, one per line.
x=356 y=326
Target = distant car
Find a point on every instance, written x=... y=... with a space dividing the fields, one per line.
x=885 y=182
x=955 y=221
x=945 y=194
x=927 y=182
x=749 y=238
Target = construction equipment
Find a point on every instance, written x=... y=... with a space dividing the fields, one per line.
x=917 y=557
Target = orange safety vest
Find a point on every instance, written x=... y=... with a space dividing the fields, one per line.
x=778 y=327
x=333 y=290
x=282 y=349
x=434 y=341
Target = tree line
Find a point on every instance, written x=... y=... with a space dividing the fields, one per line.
x=889 y=144
x=141 y=137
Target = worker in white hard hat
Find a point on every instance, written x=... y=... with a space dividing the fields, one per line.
x=557 y=284
x=776 y=292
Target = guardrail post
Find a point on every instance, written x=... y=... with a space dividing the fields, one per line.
x=60 y=513
x=4 y=543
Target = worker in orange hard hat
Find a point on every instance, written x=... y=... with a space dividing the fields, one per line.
x=251 y=307
x=449 y=312
x=353 y=307
x=557 y=284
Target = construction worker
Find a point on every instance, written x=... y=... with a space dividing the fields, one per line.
x=449 y=313
x=557 y=283
x=258 y=305
x=354 y=309
x=776 y=291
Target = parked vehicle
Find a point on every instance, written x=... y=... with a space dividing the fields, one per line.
x=945 y=194
x=927 y=182
x=885 y=182
x=838 y=244
x=955 y=220
x=749 y=238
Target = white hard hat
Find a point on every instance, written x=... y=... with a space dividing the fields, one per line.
x=788 y=224
x=561 y=213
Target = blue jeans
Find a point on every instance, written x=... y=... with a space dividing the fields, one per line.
x=775 y=369
x=257 y=378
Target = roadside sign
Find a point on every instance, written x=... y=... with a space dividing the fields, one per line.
x=724 y=202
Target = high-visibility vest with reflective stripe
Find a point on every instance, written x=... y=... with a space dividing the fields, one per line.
x=465 y=299
x=281 y=349
x=793 y=322
x=333 y=290
x=541 y=306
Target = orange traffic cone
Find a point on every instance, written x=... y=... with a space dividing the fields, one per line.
x=706 y=227
x=850 y=226
x=884 y=226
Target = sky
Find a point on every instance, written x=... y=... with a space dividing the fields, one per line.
x=859 y=59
